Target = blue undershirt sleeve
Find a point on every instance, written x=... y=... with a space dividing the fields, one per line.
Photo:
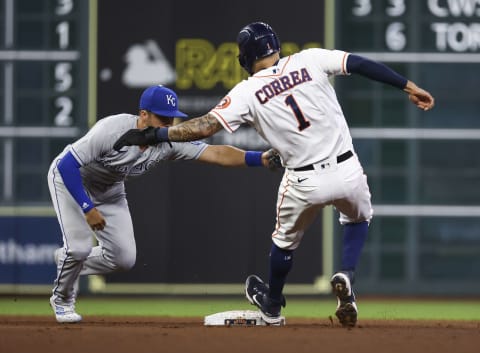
x=69 y=170
x=375 y=71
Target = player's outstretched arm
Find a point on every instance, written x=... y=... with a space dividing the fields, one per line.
x=226 y=156
x=191 y=130
x=379 y=72
x=229 y=156
x=418 y=96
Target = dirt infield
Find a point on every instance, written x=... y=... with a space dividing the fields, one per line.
x=174 y=335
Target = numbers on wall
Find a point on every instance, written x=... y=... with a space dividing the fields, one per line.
x=362 y=8
x=64 y=7
x=395 y=36
x=63 y=34
x=63 y=78
x=63 y=117
x=396 y=8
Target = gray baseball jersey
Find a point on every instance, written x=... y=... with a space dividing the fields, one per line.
x=103 y=171
x=103 y=165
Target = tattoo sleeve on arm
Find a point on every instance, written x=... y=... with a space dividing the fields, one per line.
x=195 y=129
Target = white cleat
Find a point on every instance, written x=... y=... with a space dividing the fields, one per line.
x=64 y=313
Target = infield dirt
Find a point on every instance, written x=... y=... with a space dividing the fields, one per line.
x=188 y=335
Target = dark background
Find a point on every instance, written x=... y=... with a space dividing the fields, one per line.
x=167 y=21
x=197 y=223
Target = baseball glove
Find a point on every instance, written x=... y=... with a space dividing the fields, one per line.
x=274 y=160
x=136 y=137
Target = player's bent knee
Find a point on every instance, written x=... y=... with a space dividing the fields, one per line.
x=79 y=254
x=361 y=216
x=125 y=263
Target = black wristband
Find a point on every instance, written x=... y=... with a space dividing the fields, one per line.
x=161 y=134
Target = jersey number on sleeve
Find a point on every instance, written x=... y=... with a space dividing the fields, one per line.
x=303 y=123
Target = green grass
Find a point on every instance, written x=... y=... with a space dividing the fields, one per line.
x=186 y=307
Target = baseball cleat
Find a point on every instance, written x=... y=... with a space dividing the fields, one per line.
x=64 y=313
x=256 y=292
x=347 y=311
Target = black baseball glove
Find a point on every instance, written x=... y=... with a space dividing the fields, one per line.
x=136 y=137
x=274 y=160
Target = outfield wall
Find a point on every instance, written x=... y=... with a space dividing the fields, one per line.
x=66 y=64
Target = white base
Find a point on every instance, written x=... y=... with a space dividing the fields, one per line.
x=238 y=318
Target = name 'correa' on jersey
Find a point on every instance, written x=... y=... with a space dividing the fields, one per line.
x=282 y=84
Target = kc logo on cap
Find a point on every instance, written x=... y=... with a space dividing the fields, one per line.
x=171 y=99
x=161 y=101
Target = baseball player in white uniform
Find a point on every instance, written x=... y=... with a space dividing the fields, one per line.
x=292 y=105
x=86 y=183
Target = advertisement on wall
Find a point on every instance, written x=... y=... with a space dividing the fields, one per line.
x=190 y=46
x=26 y=254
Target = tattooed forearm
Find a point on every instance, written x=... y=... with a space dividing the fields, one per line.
x=195 y=129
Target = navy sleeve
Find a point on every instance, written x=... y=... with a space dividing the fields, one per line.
x=69 y=170
x=375 y=71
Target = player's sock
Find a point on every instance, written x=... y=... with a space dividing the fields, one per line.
x=354 y=236
x=281 y=261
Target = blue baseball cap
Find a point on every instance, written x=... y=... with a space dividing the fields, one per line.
x=161 y=101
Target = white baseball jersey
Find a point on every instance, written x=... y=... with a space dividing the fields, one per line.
x=293 y=107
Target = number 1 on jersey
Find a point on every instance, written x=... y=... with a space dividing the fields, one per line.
x=303 y=123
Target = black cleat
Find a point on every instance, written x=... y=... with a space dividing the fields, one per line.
x=347 y=311
x=256 y=292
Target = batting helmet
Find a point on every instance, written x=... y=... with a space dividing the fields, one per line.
x=256 y=40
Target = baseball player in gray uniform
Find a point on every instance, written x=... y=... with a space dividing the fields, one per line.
x=293 y=106
x=86 y=183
